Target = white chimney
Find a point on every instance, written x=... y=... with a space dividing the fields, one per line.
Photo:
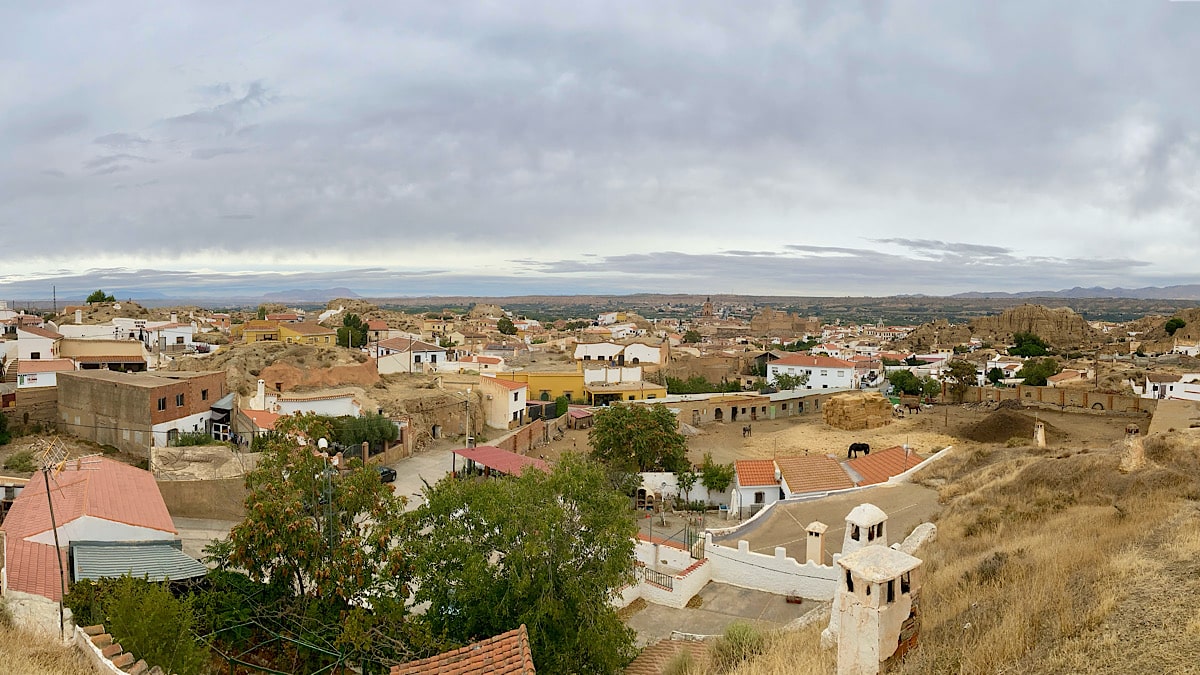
x=174 y=317
x=260 y=399
x=78 y=317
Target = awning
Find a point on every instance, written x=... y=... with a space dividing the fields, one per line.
x=154 y=560
x=224 y=403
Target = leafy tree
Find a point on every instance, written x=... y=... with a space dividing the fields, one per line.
x=686 y=480
x=262 y=312
x=446 y=343
x=905 y=381
x=692 y=336
x=337 y=536
x=99 y=295
x=799 y=346
x=914 y=361
x=1173 y=324
x=505 y=326
x=785 y=381
x=5 y=434
x=1036 y=371
x=638 y=438
x=545 y=550
x=715 y=477
x=144 y=618
x=561 y=405
x=370 y=428
x=995 y=375
x=353 y=331
x=577 y=325
x=960 y=375
x=930 y=387
x=1028 y=344
x=891 y=362
x=961 y=349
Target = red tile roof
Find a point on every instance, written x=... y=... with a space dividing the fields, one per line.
x=475 y=358
x=881 y=465
x=109 y=359
x=103 y=488
x=812 y=361
x=813 y=473
x=577 y=414
x=403 y=344
x=26 y=366
x=507 y=384
x=755 y=472
x=262 y=418
x=40 y=332
x=308 y=328
x=287 y=316
x=377 y=324
x=505 y=654
x=502 y=460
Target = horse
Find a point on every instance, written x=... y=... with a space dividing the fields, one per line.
x=912 y=407
x=856 y=448
x=747 y=431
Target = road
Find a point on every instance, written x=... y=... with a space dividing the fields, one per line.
x=413 y=472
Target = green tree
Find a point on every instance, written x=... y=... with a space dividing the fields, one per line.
x=715 y=477
x=446 y=343
x=5 y=434
x=931 y=387
x=905 y=381
x=505 y=326
x=1036 y=371
x=99 y=295
x=1028 y=344
x=262 y=312
x=370 y=428
x=891 y=362
x=960 y=375
x=995 y=375
x=785 y=381
x=145 y=618
x=561 y=405
x=692 y=337
x=1174 y=324
x=352 y=332
x=335 y=535
x=545 y=550
x=638 y=438
x=686 y=479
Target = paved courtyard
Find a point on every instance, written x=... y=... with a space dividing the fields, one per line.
x=720 y=605
x=412 y=473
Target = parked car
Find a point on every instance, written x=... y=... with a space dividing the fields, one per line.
x=386 y=474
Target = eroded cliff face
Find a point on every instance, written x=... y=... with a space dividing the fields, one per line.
x=1061 y=328
x=938 y=334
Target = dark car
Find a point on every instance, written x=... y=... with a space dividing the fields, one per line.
x=386 y=474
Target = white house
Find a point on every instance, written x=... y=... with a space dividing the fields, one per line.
x=755 y=486
x=607 y=318
x=405 y=355
x=503 y=402
x=639 y=352
x=598 y=351
x=41 y=372
x=476 y=362
x=37 y=343
x=824 y=372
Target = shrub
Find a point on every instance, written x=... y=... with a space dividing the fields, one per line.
x=1016 y=442
x=110 y=449
x=681 y=664
x=21 y=461
x=5 y=435
x=190 y=438
x=741 y=642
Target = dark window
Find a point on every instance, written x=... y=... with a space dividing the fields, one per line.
x=203 y=394
x=849 y=582
x=854 y=533
x=35 y=355
x=178 y=400
x=162 y=403
x=905 y=582
x=891 y=590
x=516 y=395
x=759 y=497
x=417 y=358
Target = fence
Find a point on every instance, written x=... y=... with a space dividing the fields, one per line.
x=661 y=579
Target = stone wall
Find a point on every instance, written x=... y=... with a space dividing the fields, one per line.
x=534 y=435
x=30 y=406
x=286 y=377
x=1056 y=397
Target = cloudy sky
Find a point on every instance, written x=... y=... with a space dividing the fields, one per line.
x=397 y=148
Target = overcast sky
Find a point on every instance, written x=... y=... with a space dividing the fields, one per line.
x=396 y=148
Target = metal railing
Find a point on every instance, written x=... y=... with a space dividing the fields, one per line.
x=663 y=581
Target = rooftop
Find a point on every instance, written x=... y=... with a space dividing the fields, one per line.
x=877 y=564
x=147 y=380
x=812 y=361
x=501 y=460
x=813 y=473
x=308 y=328
x=755 y=472
x=881 y=465
x=505 y=654
x=40 y=332
x=26 y=366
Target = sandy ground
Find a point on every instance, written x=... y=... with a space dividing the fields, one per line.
x=926 y=433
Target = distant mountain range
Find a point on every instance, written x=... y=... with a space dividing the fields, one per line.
x=1183 y=292
x=309 y=295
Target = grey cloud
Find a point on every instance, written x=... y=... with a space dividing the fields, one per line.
x=225 y=114
x=121 y=140
x=54 y=172
x=237 y=216
x=115 y=168
x=209 y=153
x=944 y=247
x=107 y=160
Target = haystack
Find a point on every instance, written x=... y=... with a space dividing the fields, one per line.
x=868 y=410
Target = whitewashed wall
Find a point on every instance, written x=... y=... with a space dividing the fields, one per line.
x=774 y=574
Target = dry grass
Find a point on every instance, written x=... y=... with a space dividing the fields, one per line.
x=795 y=652
x=28 y=654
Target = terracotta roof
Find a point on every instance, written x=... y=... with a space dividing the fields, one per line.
x=881 y=465
x=502 y=460
x=813 y=473
x=505 y=654
x=26 y=366
x=654 y=659
x=577 y=414
x=286 y=316
x=812 y=361
x=263 y=419
x=1162 y=377
x=476 y=358
x=1066 y=375
x=308 y=328
x=755 y=472
x=40 y=332
x=104 y=489
x=260 y=324
x=507 y=384
x=377 y=324
x=403 y=344
x=109 y=359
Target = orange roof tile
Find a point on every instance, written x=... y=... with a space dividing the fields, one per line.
x=104 y=488
x=262 y=418
x=403 y=344
x=881 y=465
x=40 y=332
x=755 y=472
x=308 y=328
x=507 y=384
x=812 y=473
x=377 y=324
x=812 y=361
x=505 y=654
x=26 y=366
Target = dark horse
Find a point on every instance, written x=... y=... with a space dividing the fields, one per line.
x=747 y=431
x=856 y=448
x=913 y=408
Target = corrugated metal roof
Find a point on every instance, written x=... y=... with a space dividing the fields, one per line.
x=154 y=560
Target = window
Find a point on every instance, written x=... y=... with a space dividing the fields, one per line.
x=162 y=403
x=906 y=582
x=178 y=400
x=179 y=340
x=515 y=416
x=824 y=373
x=35 y=355
x=760 y=497
x=849 y=582
x=871 y=533
x=841 y=373
x=650 y=396
x=203 y=394
x=417 y=358
x=433 y=358
x=854 y=533
x=631 y=398
x=516 y=395
x=891 y=590
x=567 y=394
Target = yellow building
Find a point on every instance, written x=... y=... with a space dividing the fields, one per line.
x=548 y=386
x=257 y=330
x=307 y=334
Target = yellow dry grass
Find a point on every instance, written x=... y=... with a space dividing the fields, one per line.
x=29 y=654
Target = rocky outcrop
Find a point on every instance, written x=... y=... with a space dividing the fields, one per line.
x=1061 y=328
x=940 y=334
